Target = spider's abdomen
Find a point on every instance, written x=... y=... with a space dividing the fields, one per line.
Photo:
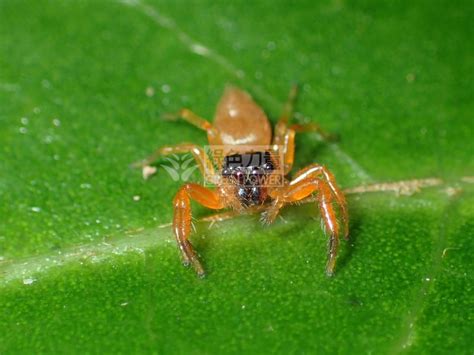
x=240 y=121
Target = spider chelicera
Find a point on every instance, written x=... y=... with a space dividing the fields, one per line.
x=241 y=183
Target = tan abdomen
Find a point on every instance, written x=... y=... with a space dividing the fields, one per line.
x=240 y=120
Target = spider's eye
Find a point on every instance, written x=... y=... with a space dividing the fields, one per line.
x=226 y=172
x=256 y=171
x=238 y=176
x=255 y=176
x=268 y=166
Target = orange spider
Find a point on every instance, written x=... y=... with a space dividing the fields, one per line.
x=241 y=183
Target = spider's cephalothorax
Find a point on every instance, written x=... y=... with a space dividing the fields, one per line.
x=242 y=182
x=249 y=174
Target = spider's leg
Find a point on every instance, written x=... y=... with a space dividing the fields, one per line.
x=182 y=219
x=340 y=199
x=324 y=174
x=314 y=179
x=197 y=121
x=202 y=159
x=331 y=225
x=287 y=194
x=289 y=106
x=312 y=127
x=284 y=138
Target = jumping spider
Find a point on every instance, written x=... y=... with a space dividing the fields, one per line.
x=240 y=122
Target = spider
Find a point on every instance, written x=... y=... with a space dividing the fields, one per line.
x=243 y=184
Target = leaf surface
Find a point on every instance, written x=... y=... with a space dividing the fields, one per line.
x=87 y=259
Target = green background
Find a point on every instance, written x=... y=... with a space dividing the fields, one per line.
x=86 y=268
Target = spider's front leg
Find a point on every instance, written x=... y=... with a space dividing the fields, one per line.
x=182 y=219
x=315 y=179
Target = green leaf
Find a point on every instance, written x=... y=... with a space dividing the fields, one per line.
x=87 y=259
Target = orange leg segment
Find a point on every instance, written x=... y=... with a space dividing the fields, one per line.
x=284 y=137
x=182 y=219
x=319 y=171
x=311 y=127
x=315 y=179
x=196 y=120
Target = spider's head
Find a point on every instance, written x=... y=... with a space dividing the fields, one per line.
x=249 y=176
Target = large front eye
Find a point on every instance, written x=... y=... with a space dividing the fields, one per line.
x=255 y=176
x=238 y=177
